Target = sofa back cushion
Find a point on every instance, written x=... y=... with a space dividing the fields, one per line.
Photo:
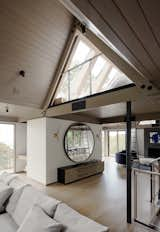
x=13 y=200
x=5 y=193
x=17 y=183
x=29 y=197
x=7 y=223
x=37 y=221
x=75 y=222
x=6 y=177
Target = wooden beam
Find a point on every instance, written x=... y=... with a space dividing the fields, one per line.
x=61 y=66
x=148 y=116
x=92 y=102
x=137 y=117
x=8 y=119
x=80 y=118
x=116 y=119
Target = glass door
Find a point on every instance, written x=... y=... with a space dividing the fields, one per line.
x=7 y=151
x=121 y=140
x=113 y=143
x=104 y=143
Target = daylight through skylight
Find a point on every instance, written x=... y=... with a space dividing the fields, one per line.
x=88 y=72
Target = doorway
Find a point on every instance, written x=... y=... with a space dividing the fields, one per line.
x=7 y=147
x=113 y=141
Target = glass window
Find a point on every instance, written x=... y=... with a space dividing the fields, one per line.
x=6 y=147
x=121 y=140
x=114 y=140
x=88 y=72
x=105 y=143
x=113 y=148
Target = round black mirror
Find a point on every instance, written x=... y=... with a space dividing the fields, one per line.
x=79 y=142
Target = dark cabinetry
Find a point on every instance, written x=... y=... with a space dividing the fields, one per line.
x=76 y=172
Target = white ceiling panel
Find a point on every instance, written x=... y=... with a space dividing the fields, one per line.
x=32 y=38
x=12 y=112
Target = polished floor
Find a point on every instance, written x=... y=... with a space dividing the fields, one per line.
x=101 y=197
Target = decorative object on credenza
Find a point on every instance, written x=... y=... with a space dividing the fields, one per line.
x=79 y=142
x=76 y=172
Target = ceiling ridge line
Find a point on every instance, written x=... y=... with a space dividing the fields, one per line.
x=112 y=29
x=137 y=37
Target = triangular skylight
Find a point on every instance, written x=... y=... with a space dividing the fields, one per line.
x=88 y=72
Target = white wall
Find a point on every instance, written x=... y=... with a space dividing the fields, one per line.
x=55 y=154
x=36 y=149
x=45 y=152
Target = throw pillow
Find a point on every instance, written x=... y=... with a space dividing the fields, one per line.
x=38 y=221
x=5 y=193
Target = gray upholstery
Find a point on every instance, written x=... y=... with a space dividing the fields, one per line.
x=6 y=177
x=25 y=197
x=73 y=221
x=29 y=197
x=7 y=224
x=16 y=183
x=12 y=203
x=37 y=221
x=5 y=193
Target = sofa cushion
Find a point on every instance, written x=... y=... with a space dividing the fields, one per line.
x=17 y=183
x=37 y=221
x=75 y=222
x=5 y=193
x=13 y=200
x=30 y=197
x=6 y=177
x=7 y=224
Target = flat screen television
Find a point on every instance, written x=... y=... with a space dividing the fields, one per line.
x=154 y=137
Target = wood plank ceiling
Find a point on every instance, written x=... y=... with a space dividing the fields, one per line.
x=133 y=27
x=33 y=34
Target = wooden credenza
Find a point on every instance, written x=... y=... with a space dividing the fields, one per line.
x=76 y=172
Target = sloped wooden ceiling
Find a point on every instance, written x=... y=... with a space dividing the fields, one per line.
x=133 y=28
x=33 y=34
x=17 y=113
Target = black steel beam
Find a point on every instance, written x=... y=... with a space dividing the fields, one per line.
x=128 y=162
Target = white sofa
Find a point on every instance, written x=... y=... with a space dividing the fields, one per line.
x=25 y=197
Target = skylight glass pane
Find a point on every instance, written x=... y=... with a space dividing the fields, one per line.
x=82 y=53
x=114 y=79
x=78 y=77
x=88 y=72
x=97 y=67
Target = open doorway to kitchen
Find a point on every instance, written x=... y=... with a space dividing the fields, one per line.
x=7 y=147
